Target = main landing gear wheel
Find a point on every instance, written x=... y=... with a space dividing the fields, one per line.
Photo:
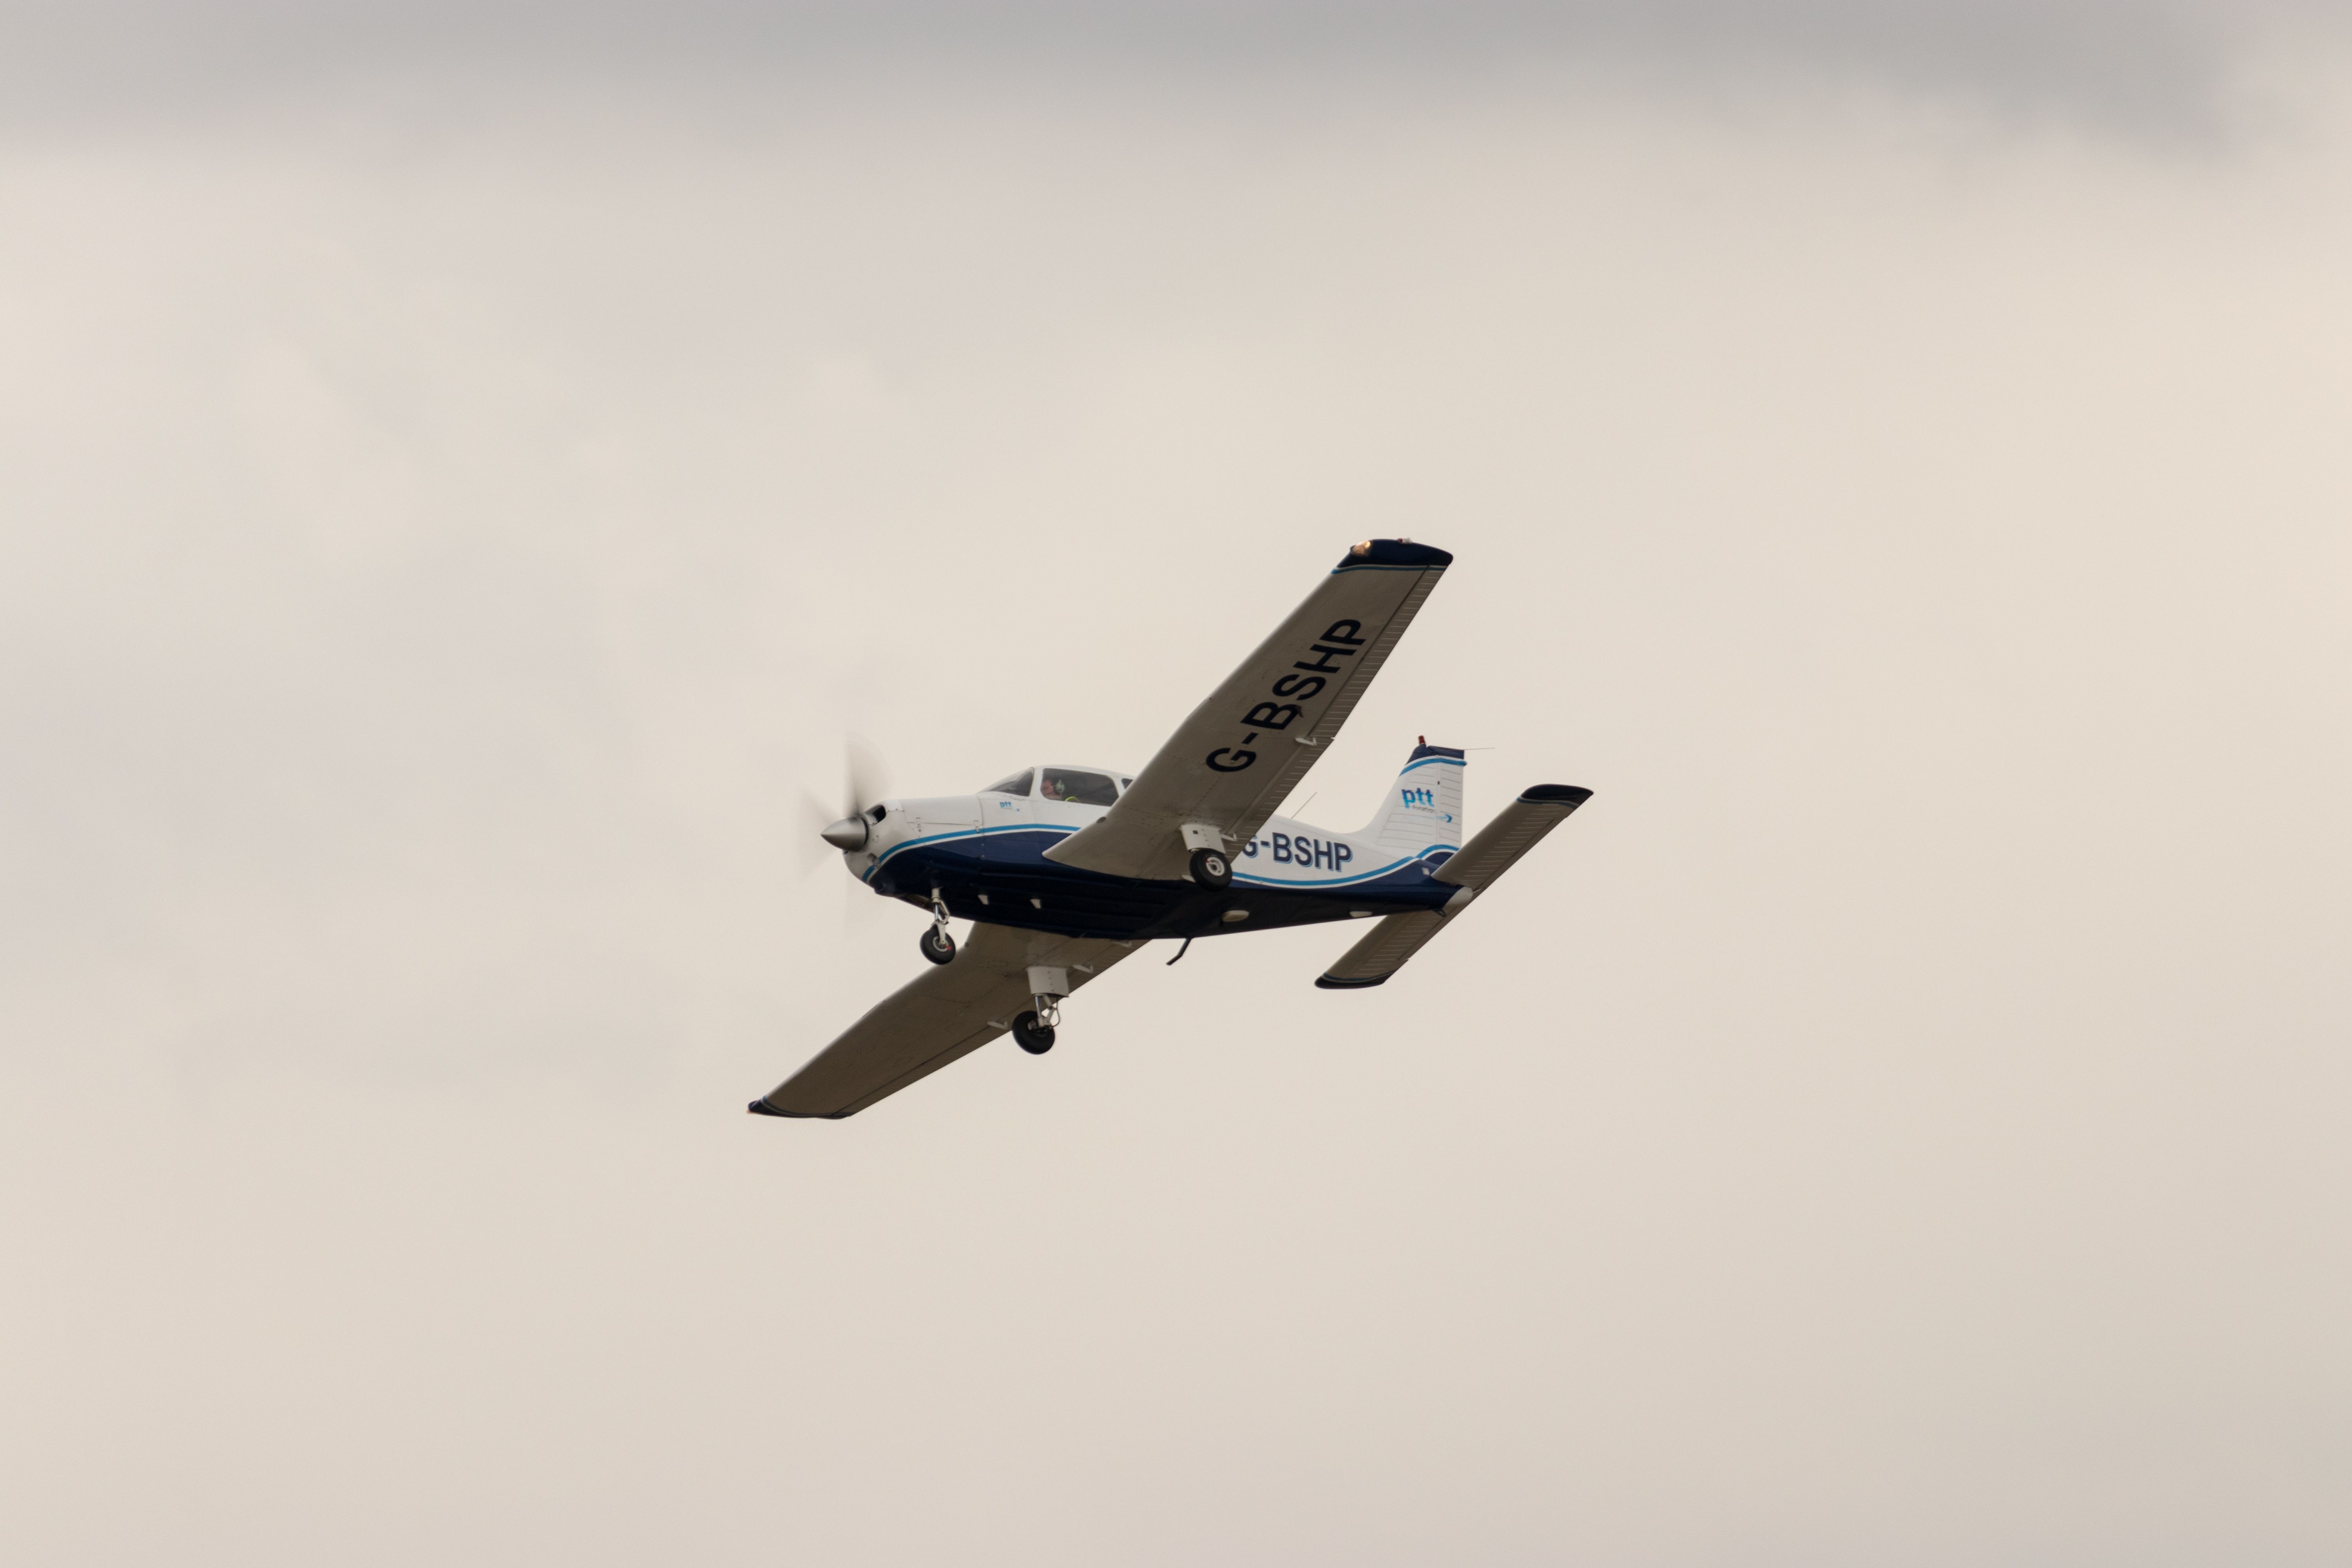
x=938 y=945
x=1211 y=869
x=1031 y=1036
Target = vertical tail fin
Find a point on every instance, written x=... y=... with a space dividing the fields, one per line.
x=1424 y=807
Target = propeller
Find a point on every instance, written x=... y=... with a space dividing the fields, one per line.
x=843 y=824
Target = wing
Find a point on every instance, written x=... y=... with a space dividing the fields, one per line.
x=1244 y=750
x=1494 y=850
x=934 y=1019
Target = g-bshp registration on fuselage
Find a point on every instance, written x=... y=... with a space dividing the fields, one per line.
x=1066 y=870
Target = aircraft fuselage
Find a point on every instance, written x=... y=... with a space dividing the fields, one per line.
x=984 y=854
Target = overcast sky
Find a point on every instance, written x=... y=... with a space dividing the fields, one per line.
x=464 y=473
x=2154 y=64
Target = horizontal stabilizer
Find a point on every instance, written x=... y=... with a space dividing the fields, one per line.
x=1494 y=850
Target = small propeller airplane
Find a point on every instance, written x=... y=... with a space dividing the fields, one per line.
x=1066 y=871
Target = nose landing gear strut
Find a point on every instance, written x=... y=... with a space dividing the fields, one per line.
x=937 y=942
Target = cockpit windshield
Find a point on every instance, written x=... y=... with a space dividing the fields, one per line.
x=1017 y=784
x=1079 y=788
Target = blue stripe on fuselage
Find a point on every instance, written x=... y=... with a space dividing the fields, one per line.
x=1394 y=868
x=1398 y=873
x=897 y=849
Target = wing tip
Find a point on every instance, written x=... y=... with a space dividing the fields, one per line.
x=762 y=1108
x=1569 y=795
x=1342 y=982
x=1396 y=552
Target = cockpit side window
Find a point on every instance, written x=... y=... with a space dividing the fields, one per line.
x=1017 y=784
x=1079 y=788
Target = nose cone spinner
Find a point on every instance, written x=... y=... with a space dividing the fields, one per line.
x=847 y=833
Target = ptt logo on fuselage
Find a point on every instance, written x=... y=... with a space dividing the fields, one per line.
x=1342 y=641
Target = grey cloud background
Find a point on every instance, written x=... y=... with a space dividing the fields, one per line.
x=446 y=514
x=2161 y=67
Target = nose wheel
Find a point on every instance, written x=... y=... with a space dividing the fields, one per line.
x=937 y=941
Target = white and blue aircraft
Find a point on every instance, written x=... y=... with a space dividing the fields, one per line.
x=1066 y=870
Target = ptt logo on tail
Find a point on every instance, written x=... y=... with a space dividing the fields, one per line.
x=1419 y=796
